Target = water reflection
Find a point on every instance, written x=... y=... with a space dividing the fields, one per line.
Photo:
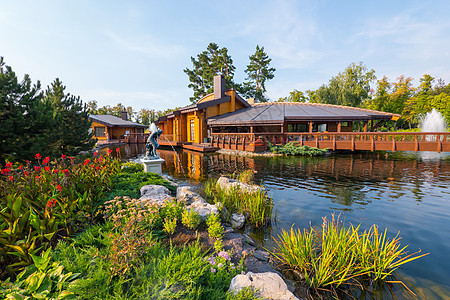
x=402 y=192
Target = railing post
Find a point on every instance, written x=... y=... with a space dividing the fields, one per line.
x=393 y=143
x=334 y=142
x=416 y=144
x=353 y=142
x=317 y=140
x=439 y=143
x=372 y=146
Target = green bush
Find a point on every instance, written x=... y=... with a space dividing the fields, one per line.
x=215 y=228
x=292 y=148
x=170 y=225
x=132 y=167
x=191 y=219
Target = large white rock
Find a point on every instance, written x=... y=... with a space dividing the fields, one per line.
x=203 y=208
x=156 y=194
x=266 y=285
x=226 y=183
x=237 y=221
x=186 y=195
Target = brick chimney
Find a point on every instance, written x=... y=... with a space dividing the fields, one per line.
x=124 y=115
x=219 y=86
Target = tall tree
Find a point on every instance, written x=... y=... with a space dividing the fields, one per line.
x=381 y=99
x=294 y=96
x=258 y=72
x=71 y=131
x=211 y=62
x=349 y=88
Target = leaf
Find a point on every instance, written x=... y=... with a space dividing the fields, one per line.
x=67 y=296
x=17 y=206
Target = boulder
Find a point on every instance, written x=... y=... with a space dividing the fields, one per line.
x=237 y=221
x=266 y=285
x=156 y=194
x=227 y=184
x=203 y=208
x=186 y=195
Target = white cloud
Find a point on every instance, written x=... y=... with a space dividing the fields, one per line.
x=147 y=45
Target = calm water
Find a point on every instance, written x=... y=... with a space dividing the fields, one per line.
x=405 y=193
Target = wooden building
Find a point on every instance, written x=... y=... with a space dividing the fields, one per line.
x=188 y=125
x=114 y=128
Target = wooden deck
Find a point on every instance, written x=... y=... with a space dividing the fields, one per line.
x=370 y=141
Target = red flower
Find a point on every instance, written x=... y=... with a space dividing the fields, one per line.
x=66 y=172
x=38 y=156
x=109 y=151
x=86 y=161
x=59 y=188
x=63 y=157
x=97 y=168
x=118 y=150
x=26 y=173
x=20 y=167
x=8 y=164
x=11 y=178
x=46 y=160
x=51 y=203
x=96 y=153
x=6 y=171
x=55 y=171
x=37 y=169
x=47 y=168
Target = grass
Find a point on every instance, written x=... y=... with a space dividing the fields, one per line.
x=292 y=148
x=256 y=207
x=337 y=256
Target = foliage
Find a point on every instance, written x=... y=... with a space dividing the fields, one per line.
x=108 y=110
x=48 y=200
x=337 y=255
x=255 y=206
x=170 y=225
x=32 y=123
x=131 y=167
x=294 y=96
x=292 y=148
x=191 y=219
x=74 y=135
x=214 y=224
x=258 y=72
x=211 y=62
x=350 y=88
x=42 y=280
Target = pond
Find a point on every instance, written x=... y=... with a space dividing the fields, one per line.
x=403 y=192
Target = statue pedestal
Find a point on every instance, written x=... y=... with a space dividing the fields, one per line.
x=152 y=165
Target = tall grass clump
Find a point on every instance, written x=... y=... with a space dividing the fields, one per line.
x=336 y=256
x=255 y=205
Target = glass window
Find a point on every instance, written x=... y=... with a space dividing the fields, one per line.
x=100 y=131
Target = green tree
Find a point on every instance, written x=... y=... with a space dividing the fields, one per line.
x=294 y=96
x=70 y=133
x=147 y=116
x=211 y=62
x=349 y=88
x=381 y=99
x=258 y=72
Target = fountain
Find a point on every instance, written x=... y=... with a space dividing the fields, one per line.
x=151 y=161
x=433 y=122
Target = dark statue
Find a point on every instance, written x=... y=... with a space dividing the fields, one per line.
x=152 y=143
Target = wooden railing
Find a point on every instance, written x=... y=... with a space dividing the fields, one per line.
x=387 y=141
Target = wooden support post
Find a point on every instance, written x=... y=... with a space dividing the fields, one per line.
x=301 y=139
x=416 y=144
x=439 y=143
x=339 y=125
x=334 y=142
x=317 y=141
x=310 y=127
x=393 y=143
x=372 y=146
x=365 y=126
x=353 y=142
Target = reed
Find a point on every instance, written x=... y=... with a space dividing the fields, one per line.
x=336 y=255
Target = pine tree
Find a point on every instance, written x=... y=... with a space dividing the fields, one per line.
x=258 y=72
x=209 y=63
x=71 y=131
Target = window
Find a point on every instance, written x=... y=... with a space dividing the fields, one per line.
x=192 y=124
x=100 y=131
x=297 y=127
x=344 y=124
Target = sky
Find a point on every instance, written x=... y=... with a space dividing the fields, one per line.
x=134 y=52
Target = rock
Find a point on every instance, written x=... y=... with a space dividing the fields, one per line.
x=186 y=195
x=252 y=264
x=266 y=285
x=156 y=194
x=261 y=255
x=203 y=208
x=237 y=221
x=227 y=184
x=248 y=239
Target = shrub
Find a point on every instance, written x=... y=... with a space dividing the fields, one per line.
x=338 y=255
x=292 y=148
x=191 y=219
x=215 y=228
x=132 y=167
x=170 y=225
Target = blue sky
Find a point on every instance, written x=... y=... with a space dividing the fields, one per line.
x=134 y=52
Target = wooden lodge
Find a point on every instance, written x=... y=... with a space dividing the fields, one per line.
x=224 y=120
x=108 y=128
